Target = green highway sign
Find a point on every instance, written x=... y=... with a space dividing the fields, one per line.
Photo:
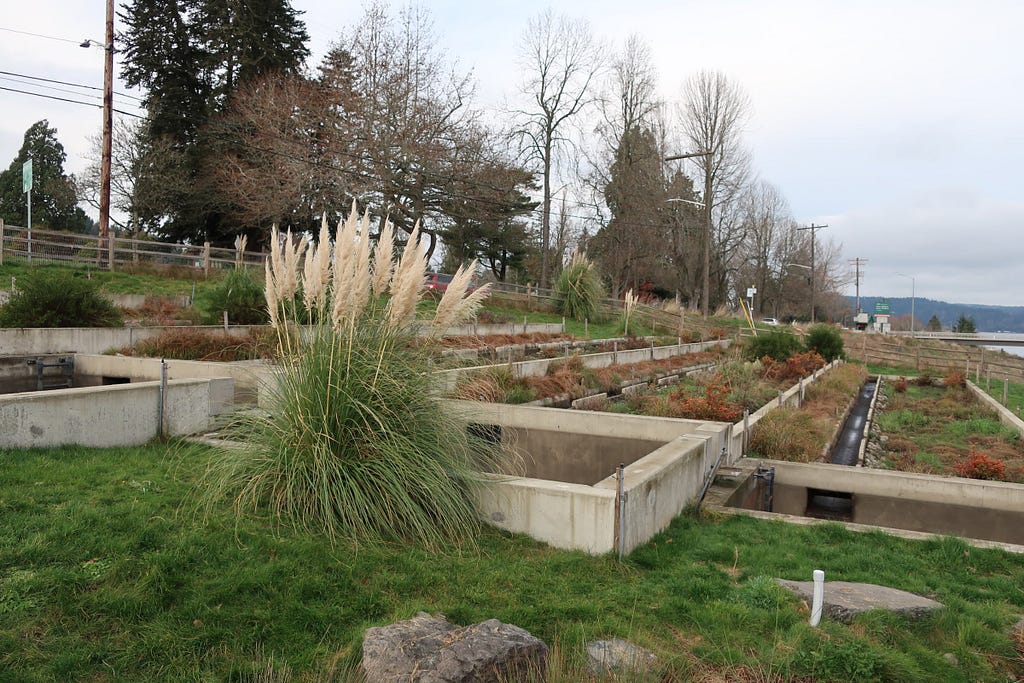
x=26 y=176
x=882 y=308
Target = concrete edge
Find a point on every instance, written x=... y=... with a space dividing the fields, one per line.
x=864 y=528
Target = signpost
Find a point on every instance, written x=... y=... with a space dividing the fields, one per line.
x=26 y=187
x=882 y=308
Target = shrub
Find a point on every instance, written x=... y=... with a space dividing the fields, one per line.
x=776 y=345
x=578 y=291
x=900 y=385
x=58 y=299
x=240 y=294
x=186 y=344
x=955 y=379
x=826 y=340
x=714 y=405
x=354 y=443
x=980 y=466
x=796 y=366
x=786 y=434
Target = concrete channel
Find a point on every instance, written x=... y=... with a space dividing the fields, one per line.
x=985 y=512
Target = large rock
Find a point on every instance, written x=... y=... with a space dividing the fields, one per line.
x=617 y=656
x=429 y=649
x=844 y=600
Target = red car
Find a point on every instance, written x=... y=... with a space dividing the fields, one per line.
x=437 y=282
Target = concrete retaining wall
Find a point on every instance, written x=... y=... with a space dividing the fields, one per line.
x=658 y=485
x=39 y=341
x=121 y=415
x=1006 y=416
x=31 y=341
x=247 y=375
x=448 y=379
x=972 y=508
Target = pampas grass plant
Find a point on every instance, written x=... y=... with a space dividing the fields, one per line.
x=353 y=443
x=578 y=290
x=628 y=304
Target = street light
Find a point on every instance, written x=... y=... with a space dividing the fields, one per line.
x=108 y=125
x=913 y=298
x=707 y=221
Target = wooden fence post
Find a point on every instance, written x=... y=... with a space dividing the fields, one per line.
x=206 y=259
x=1 y=241
x=110 y=251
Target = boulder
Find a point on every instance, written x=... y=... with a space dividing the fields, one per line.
x=429 y=649
x=844 y=600
x=617 y=656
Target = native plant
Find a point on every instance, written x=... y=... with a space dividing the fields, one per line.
x=240 y=294
x=57 y=298
x=353 y=443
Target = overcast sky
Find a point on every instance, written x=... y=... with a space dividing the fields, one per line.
x=899 y=123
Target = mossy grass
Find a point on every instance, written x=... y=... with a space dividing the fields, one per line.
x=109 y=572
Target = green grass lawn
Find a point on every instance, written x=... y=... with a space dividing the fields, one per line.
x=109 y=573
x=147 y=281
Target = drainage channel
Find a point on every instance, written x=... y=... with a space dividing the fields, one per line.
x=838 y=505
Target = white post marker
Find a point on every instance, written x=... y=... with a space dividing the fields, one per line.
x=819 y=596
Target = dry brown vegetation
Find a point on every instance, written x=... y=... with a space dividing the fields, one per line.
x=802 y=434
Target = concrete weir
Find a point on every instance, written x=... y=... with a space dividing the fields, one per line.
x=989 y=512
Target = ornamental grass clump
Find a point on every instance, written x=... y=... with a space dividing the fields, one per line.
x=353 y=443
x=578 y=291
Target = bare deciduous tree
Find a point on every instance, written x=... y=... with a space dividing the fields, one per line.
x=560 y=59
x=711 y=119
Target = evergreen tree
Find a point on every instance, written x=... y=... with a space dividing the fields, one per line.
x=632 y=246
x=54 y=196
x=190 y=56
x=933 y=324
x=964 y=324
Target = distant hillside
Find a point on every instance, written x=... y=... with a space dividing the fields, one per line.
x=986 y=318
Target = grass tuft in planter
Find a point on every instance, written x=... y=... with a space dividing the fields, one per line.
x=354 y=444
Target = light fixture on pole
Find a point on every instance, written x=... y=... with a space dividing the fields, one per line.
x=913 y=298
x=707 y=222
x=108 y=126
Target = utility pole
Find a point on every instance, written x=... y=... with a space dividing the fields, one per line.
x=857 y=262
x=814 y=229
x=108 y=131
x=707 y=223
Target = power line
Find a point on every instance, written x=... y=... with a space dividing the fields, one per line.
x=74 y=85
x=22 y=81
x=64 y=99
x=40 y=35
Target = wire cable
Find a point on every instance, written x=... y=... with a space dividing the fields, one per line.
x=74 y=85
x=65 y=99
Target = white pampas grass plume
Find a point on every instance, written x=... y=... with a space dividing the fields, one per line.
x=293 y=250
x=270 y=293
x=384 y=259
x=455 y=307
x=316 y=271
x=407 y=283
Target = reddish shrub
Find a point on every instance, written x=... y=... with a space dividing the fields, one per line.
x=955 y=378
x=980 y=466
x=900 y=385
x=796 y=366
x=714 y=405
